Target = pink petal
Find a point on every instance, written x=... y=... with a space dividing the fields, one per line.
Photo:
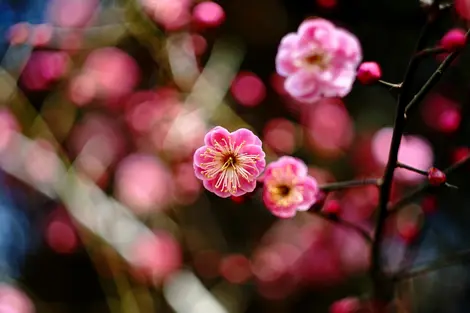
x=210 y=185
x=319 y=31
x=298 y=166
x=289 y=41
x=310 y=192
x=218 y=134
x=247 y=186
x=198 y=172
x=285 y=63
x=244 y=136
x=349 y=46
x=300 y=83
x=198 y=157
x=256 y=150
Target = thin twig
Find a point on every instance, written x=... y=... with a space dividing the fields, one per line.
x=459 y=257
x=431 y=51
x=388 y=84
x=350 y=184
x=431 y=82
x=361 y=231
x=412 y=169
x=424 y=187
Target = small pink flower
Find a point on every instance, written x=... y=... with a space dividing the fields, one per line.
x=229 y=163
x=288 y=188
x=320 y=60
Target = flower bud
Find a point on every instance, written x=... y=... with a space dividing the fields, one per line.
x=436 y=177
x=454 y=39
x=369 y=72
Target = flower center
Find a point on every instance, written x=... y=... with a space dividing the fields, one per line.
x=283 y=190
x=229 y=161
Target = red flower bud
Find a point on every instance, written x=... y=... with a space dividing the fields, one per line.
x=436 y=177
x=369 y=72
x=454 y=39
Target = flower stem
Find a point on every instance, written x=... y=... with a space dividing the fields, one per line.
x=424 y=187
x=387 y=84
x=412 y=169
x=350 y=184
x=433 y=79
x=430 y=51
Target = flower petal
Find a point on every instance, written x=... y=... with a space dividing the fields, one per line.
x=318 y=31
x=301 y=83
x=247 y=186
x=199 y=156
x=198 y=172
x=210 y=185
x=216 y=134
x=244 y=136
x=258 y=151
x=309 y=187
x=299 y=168
x=285 y=63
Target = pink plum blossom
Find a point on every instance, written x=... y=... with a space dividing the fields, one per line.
x=288 y=188
x=171 y=14
x=414 y=151
x=320 y=60
x=229 y=163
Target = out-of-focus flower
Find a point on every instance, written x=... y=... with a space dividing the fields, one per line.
x=143 y=183
x=248 y=89
x=208 y=14
x=320 y=60
x=98 y=142
x=414 y=151
x=13 y=300
x=113 y=71
x=41 y=34
x=187 y=186
x=41 y=162
x=229 y=163
x=441 y=113
x=369 y=72
x=327 y=4
x=43 y=68
x=346 y=305
x=61 y=234
x=235 y=268
x=462 y=7
x=8 y=127
x=155 y=257
x=329 y=128
x=71 y=13
x=288 y=188
x=171 y=14
x=454 y=39
x=279 y=135
x=19 y=33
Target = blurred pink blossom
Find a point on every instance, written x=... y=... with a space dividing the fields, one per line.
x=8 y=127
x=43 y=68
x=320 y=60
x=82 y=89
x=13 y=300
x=288 y=188
x=41 y=34
x=248 y=89
x=41 y=162
x=98 y=142
x=441 y=113
x=462 y=8
x=329 y=128
x=208 y=14
x=279 y=135
x=155 y=257
x=143 y=183
x=187 y=186
x=346 y=305
x=235 y=268
x=414 y=151
x=19 y=33
x=61 y=235
x=71 y=13
x=113 y=71
x=171 y=14
x=229 y=163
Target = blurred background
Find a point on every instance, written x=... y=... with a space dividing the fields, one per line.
x=104 y=103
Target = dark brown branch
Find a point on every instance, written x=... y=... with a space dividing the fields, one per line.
x=361 y=231
x=412 y=169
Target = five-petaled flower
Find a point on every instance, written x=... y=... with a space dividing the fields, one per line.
x=229 y=163
x=288 y=188
x=320 y=60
